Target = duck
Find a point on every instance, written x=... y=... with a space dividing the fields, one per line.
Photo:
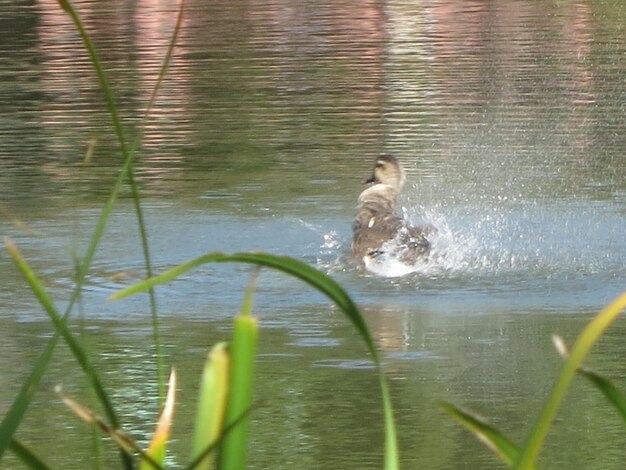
x=376 y=222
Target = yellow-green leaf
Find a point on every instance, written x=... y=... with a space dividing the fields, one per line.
x=496 y=441
x=158 y=444
x=211 y=405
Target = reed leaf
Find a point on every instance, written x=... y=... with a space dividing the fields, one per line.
x=128 y=154
x=587 y=338
x=99 y=69
x=61 y=326
x=143 y=232
x=19 y=406
x=125 y=443
x=302 y=271
x=608 y=389
x=491 y=437
x=319 y=281
x=233 y=448
x=234 y=445
x=12 y=419
x=211 y=406
x=392 y=455
x=27 y=456
x=158 y=444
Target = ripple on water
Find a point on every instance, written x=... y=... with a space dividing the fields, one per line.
x=345 y=364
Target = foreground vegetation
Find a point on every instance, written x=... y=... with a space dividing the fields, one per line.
x=224 y=400
x=225 y=396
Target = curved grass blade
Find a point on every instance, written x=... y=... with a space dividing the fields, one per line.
x=211 y=405
x=314 y=278
x=125 y=443
x=61 y=326
x=11 y=421
x=166 y=60
x=127 y=170
x=587 y=338
x=491 y=437
x=608 y=389
x=156 y=449
x=143 y=232
x=296 y=268
x=14 y=416
x=102 y=78
x=603 y=384
x=27 y=456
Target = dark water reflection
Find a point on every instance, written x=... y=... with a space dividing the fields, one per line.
x=509 y=118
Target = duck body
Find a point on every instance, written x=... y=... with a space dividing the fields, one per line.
x=376 y=225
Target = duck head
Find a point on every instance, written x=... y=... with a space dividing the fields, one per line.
x=388 y=171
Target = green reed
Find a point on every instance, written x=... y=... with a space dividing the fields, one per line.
x=225 y=396
x=229 y=436
x=14 y=416
x=315 y=279
x=525 y=457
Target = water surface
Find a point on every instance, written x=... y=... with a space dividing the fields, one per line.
x=509 y=119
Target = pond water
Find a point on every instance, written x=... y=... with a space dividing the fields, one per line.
x=510 y=120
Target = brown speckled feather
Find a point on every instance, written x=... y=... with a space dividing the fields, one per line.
x=376 y=222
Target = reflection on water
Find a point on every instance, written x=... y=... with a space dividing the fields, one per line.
x=508 y=117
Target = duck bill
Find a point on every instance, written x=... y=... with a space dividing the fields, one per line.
x=369 y=179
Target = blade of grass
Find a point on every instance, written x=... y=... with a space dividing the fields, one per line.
x=128 y=155
x=100 y=72
x=14 y=416
x=319 y=281
x=608 y=389
x=211 y=404
x=125 y=443
x=166 y=60
x=587 y=338
x=234 y=447
x=77 y=349
x=295 y=268
x=12 y=419
x=491 y=437
x=18 y=408
x=158 y=444
x=27 y=456
x=143 y=233
x=21 y=403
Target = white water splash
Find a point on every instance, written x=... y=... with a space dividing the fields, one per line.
x=496 y=239
x=449 y=251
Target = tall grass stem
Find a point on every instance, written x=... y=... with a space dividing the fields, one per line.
x=319 y=281
x=579 y=351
